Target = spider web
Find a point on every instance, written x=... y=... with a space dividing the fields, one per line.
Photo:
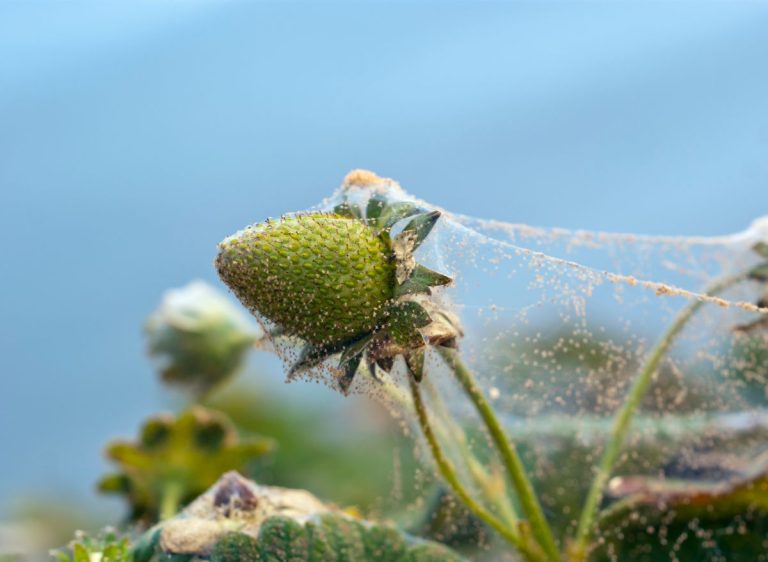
x=557 y=325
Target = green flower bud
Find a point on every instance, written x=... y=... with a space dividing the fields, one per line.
x=199 y=337
x=175 y=459
x=325 y=278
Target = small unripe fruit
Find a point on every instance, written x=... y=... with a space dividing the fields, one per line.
x=199 y=338
x=344 y=284
x=325 y=278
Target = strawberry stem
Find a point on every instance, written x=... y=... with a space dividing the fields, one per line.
x=623 y=418
x=514 y=466
x=448 y=472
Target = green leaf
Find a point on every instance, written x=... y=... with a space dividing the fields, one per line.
x=376 y=205
x=236 y=547
x=350 y=361
x=58 y=555
x=384 y=544
x=313 y=532
x=114 y=483
x=344 y=537
x=80 y=553
x=127 y=454
x=346 y=210
x=650 y=507
x=350 y=370
x=106 y=546
x=688 y=499
x=282 y=539
x=421 y=280
x=320 y=548
x=421 y=226
x=432 y=552
x=155 y=432
x=412 y=313
x=113 y=551
x=210 y=435
x=395 y=212
x=404 y=322
x=354 y=349
x=311 y=356
x=146 y=545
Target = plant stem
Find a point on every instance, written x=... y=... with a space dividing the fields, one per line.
x=448 y=472
x=623 y=418
x=445 y=427
x=170 y=500
x=493 y=491
x=512 y=463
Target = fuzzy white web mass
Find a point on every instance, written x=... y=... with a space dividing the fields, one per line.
x=557 y=326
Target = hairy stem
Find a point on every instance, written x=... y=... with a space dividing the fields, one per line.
x=448 y=472
x=493 y=490
x=514 y=466
x=623 y=419
x=170 y=500
x=446 y=428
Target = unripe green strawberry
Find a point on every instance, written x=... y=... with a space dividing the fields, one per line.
x=344 y=284
x=325 y=278
x=199 y=338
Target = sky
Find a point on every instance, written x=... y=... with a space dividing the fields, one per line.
x=136 y=135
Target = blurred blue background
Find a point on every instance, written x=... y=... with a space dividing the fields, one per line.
x=136 y=135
